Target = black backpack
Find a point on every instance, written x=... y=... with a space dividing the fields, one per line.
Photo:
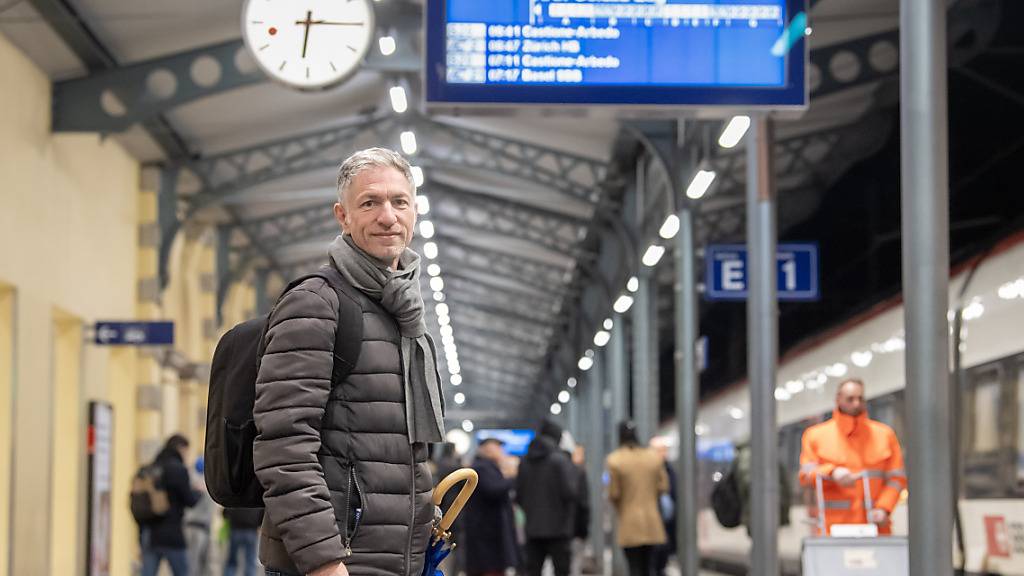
x=230 y=428
x=149 y=501
x=726 y=501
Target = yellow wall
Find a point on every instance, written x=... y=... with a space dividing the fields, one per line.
x=6 y=413
x=68 y=225
x=68 y=442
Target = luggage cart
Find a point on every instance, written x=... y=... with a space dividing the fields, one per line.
x=853 y=556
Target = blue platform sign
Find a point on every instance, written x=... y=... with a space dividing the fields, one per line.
x=134 y=333
x=730 y=53
x=726 y=272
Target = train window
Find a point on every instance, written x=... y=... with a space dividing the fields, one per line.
x=985 y=437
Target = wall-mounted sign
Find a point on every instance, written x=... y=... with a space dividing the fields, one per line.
x=134 y=333
x=707 y=53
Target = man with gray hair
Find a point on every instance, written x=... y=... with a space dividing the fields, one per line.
x=343 y=463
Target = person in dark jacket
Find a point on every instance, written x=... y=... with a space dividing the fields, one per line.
x=243 y=524
x=547 y=489
x=489 y=525
x=344 y=464
x=165 y=538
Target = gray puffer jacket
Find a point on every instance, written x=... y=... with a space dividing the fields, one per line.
x=341 y=480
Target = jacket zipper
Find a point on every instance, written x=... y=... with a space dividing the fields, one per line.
x=348 y=503
x=354 y=479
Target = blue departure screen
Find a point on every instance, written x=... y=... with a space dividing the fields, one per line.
x=635 y=51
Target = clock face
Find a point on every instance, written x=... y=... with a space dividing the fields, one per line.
x=308 y=44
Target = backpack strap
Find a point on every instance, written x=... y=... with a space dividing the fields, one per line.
x=348 y=337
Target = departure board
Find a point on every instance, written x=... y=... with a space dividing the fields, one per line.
x=625 y=52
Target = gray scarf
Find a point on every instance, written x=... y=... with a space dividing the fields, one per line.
x=398 y=292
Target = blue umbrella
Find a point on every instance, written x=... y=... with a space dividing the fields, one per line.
x=441 y=544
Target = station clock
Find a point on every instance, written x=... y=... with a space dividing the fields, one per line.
x=308 y=44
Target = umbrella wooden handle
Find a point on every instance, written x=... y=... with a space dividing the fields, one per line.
x=471 y=478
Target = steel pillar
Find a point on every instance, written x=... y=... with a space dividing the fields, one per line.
x=762 y=349
x=687 y=393
x=595 y=458
x=925 y=227
x=618 y=377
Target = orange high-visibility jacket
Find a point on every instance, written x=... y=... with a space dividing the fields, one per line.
x=868 y=449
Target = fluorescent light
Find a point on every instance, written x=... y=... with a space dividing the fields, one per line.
x=670 y=227
x=782 y=394
x=861 y=359
x=417 y=180
x=837 y=370
x=427 y=229
x=653 y=255
x=564 y=396
x=436 y=284
x=444 y=320
x=408 y=139
x=460 y=398
x=699 y=185
x=430 y=250
x=700 y=429
x=467 y=425
x=608 y=324
x=434 y=270
x=734 y=131
x=447 y=339
x=556 y=408
x=974 y=309
x=585 y=363
x=441 y=310
x=623 y=304
x=387 y=47
x=456 y=379
x=447 y=331
x=794 y=386
x=454 y=369
x=438 y=296
x=571 y=382
x=1011 y=290
x=735 y=413
x=633 y=284
x=399 y=103
x=422 y=202
x=602 y=337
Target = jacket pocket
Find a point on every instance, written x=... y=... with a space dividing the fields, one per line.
x=354 y=509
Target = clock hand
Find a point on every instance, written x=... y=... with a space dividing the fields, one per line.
x=330 y=23
x=305 y=37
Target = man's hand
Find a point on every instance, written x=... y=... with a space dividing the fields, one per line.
x=332 y=569
x=878 y=516
x=844 y=477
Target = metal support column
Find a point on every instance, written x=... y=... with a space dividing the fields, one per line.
x=262 y=280
x=617 y=376
x=687 y=392
x=645 y=384
x=925 y=220
x=762 y=349
x=595 y=458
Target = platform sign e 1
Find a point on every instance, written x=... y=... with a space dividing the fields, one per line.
x=134 y=333
x=726 y=272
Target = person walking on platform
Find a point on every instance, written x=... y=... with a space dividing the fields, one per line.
x=547 y=489
x=243 y=524
x=165 y=538
x=197 y=526
x=636 y=479
x=853 y=463
x=347 y=488
x=490 y=530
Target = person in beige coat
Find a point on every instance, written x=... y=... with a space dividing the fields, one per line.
x=636 y=479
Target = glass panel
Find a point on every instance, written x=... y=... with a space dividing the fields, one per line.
x=986 y=413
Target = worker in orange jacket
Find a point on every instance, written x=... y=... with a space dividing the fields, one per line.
x=853 y=463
